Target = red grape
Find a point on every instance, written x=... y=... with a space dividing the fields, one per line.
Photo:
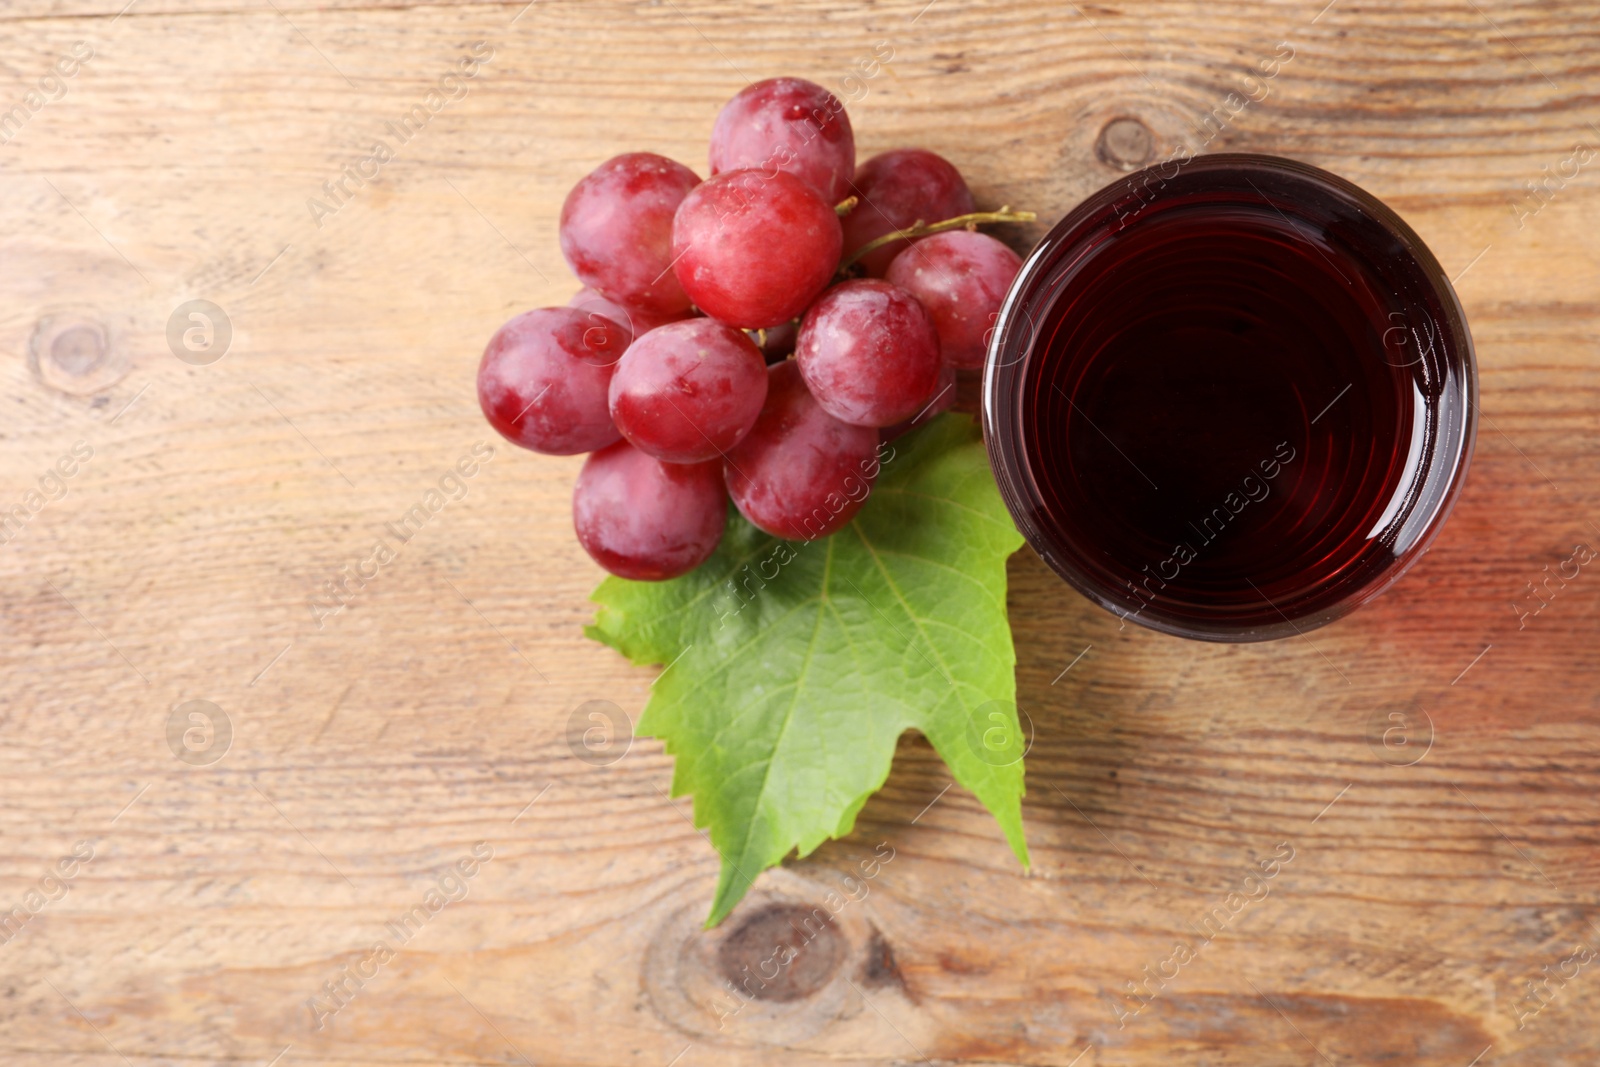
x=869 y=353
x=636 y=321
x=688 y=391
x=800 y=473
x=543 y=379
x=942 y=400
x=961 y=277
x=789 y=125
x=644 y=519
x=754 y=249
x=897 y=189
x=616 y=229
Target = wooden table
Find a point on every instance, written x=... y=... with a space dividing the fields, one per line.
x=352 y=760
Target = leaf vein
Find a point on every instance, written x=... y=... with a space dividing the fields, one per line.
x=788 y=715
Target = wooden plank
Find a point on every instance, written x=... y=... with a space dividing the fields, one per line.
x=369 y=754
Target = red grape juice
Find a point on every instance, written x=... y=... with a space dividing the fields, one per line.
x=1230 y=398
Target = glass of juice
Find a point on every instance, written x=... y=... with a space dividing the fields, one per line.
x=1230 y=398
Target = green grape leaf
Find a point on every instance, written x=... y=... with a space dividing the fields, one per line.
x=793 y=667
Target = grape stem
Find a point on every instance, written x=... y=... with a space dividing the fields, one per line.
x=923 y=229
x=845 y=206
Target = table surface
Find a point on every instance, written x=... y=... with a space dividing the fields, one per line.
x=356 y=759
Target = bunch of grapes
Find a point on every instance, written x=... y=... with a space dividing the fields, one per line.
x=754 y=335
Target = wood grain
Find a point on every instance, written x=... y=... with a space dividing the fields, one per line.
x=370 y=754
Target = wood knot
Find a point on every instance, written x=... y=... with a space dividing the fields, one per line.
x=791 y=962
x=79 y=349
x=75 y=352
x=1124 y=143
x=781 y=953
